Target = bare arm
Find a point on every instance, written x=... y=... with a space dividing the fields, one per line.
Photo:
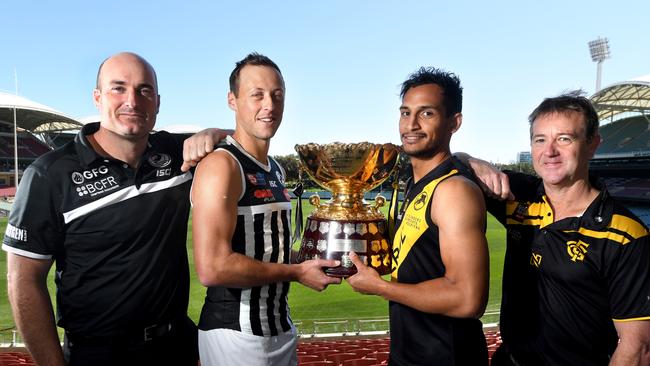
x=199 y=145
x=216 y=190
x=634 y=343
x=493 y=182
x=459 y=211
x=32 y=308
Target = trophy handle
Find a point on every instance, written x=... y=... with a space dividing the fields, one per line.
x=298 y=220
x=380 y=201
x=314 y=200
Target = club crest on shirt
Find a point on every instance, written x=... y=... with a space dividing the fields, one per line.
x=280 y=178
x=419 y=201
x=159 y=160
x=577 y=250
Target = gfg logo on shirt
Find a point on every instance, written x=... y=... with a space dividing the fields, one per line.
x=80 y=177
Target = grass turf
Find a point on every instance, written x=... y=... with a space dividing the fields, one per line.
x=337 y=302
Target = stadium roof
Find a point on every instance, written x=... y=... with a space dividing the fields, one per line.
x=33 y=116
x=626 y=96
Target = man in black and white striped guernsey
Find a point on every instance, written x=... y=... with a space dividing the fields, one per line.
x=242 y=229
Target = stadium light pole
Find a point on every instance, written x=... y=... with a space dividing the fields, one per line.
x=15 y=135
x=599 y=49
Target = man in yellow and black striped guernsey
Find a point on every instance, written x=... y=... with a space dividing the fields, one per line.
x=576 y=277
x=439 y=281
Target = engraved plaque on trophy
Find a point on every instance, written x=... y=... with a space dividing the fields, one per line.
x=347 y=222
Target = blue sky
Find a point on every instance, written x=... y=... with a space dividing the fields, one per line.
x=342 y=61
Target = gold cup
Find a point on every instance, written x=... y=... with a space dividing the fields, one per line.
x=347 y=222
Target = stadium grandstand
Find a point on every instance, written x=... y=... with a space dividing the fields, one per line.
x=623 y=157
x=37 y=127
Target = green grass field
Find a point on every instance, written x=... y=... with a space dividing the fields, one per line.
x=337 y=302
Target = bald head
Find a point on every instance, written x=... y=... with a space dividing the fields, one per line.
x=127 y=58
x=127 y=96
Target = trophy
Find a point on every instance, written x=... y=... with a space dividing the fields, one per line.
x=347 y=222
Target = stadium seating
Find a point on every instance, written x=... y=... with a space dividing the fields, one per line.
x=354 y=351
x=15 y=359
x=624 y=136
x=29 y=148
x=350 y=351
x=361 y=362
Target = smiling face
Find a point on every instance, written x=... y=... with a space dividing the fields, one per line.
x=259 y=103
x=127 y=96
x=560 y=148
x=424 y=127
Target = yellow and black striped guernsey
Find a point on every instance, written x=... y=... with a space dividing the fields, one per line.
x=419 y=338
x=565 y=283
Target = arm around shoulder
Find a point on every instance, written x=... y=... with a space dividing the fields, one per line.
x=199 y=145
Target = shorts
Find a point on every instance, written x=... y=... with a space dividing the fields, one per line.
x=231 y=347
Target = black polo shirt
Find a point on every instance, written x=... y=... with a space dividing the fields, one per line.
x=118 y=235
x=565 y=283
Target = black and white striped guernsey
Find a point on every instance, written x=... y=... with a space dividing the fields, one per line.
x=263 y=232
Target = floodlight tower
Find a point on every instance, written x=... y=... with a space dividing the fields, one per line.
x=599 y=52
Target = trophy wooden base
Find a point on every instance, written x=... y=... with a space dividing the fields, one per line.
x=335 y=239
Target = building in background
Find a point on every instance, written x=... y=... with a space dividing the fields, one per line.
x=524 y=157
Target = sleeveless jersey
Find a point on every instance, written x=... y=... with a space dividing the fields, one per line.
x=262 y=232
x=419 y=338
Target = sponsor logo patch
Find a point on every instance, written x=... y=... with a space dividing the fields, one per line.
x=97 y=187
x=159 y=160
x=163 y=172
x=256 y=179
x=536 y=260
x=264 y=194
x=16 y=233
x=81 y=177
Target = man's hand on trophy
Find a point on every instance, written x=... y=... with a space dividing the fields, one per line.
x=366 y=280
x=199 y=145
x=311 y=273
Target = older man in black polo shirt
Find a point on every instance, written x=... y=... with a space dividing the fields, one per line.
x=111 y=209
x=575 y=277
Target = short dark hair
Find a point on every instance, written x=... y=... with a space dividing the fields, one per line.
x=569 y=101
x=447 y=81
x=253 y=59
